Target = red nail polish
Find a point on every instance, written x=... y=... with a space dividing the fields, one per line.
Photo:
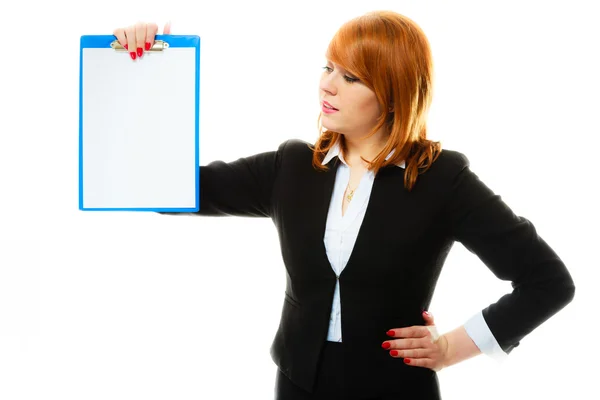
x=394 y=352
x=407 y=360
x=126 y=47
x=132 y=54
x=147 y=47
x=390 y=333
x=385 y=345
x=139 y=51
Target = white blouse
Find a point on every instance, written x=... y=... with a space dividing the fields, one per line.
x=340 y=235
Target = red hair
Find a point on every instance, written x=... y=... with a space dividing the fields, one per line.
x=391 y=55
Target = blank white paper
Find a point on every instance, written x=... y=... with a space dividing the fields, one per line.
x=138 y=129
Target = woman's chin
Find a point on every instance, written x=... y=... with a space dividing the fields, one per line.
x=329 y=126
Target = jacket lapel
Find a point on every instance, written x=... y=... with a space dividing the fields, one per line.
x=325 y=183
x=382 y=230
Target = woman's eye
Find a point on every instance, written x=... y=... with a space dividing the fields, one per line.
x=346 y=77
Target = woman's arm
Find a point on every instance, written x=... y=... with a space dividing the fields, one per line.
x=460 y=346
x=511 y=248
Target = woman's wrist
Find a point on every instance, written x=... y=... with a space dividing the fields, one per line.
x=459 y=347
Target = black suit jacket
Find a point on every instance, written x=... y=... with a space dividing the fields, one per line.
x=391 y=275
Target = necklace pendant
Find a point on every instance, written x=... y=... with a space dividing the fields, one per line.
x=349 y=197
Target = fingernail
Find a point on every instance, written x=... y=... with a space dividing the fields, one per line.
x=132 y=54
x=407 y=360
x=126 y=47
x=385 y=345
x=390 y=333
x=139 y=51
x=394 y=352
x=147 y=47
x=425 y=312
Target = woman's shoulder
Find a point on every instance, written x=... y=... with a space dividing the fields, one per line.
x=292 y=149
x=296 y=145
x=452 y=159
x=446 y=167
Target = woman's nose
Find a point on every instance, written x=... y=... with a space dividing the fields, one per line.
x=327 y=85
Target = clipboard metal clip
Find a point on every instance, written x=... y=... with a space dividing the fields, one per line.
x=159 y=45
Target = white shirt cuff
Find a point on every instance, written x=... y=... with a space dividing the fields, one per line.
x=479 y=331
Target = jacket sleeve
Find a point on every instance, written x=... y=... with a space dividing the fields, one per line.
x=511 y=248
x=240 y=188
x=483 y=338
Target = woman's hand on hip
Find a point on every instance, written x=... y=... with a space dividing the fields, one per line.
x=420 y=346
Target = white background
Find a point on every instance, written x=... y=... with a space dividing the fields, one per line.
x=136 y=305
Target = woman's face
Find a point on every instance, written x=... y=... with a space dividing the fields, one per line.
x=357 y=105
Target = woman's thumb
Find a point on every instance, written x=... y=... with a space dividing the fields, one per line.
x=167 y=28
x=428 y=317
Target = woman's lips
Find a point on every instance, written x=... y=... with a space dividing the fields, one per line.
x=329 y=105
x=328 y=110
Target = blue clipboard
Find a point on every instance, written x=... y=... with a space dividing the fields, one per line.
x=139 y=125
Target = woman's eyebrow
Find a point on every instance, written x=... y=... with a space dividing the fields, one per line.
x=335 y=65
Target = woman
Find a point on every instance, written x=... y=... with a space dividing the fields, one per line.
x=366 y=217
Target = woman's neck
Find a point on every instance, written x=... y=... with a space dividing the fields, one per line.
x=365 y=148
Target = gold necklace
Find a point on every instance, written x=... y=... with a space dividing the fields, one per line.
x=351 y=194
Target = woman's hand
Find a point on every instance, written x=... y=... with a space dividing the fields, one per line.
x=423 y=347
x=139 y=37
